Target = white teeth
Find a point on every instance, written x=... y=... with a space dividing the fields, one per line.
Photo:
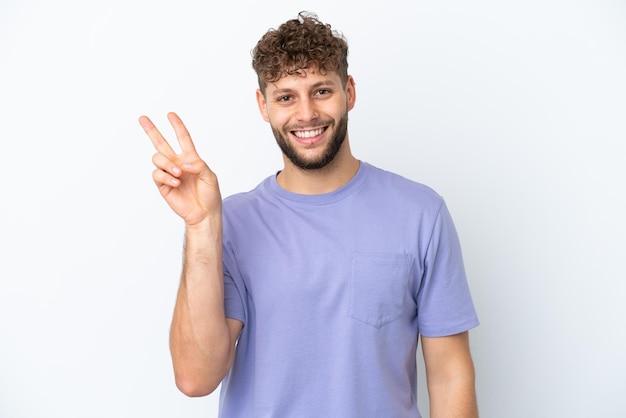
x=308 y=134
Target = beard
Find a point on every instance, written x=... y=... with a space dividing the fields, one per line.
x=328 y=155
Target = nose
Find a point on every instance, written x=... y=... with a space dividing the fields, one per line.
x=306 y=110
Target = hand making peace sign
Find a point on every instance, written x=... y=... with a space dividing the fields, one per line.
x=184 y=180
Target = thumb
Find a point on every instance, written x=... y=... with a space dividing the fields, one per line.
x=196 y=166
x=199 y=168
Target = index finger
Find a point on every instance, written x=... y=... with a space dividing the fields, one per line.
x=155 y=136
x=182 y=134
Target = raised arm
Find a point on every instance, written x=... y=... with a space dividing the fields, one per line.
x=450 y=376
x=202 y=339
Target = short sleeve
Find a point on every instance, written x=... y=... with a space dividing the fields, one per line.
x=234 y=289
x=444 y=302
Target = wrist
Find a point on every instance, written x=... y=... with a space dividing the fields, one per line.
x=209 y=226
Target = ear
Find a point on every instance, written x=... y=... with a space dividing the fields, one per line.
x=262 y=103
x=350 y=92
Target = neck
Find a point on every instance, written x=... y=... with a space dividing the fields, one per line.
x=324 y=180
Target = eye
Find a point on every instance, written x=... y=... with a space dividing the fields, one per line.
x=322 y=92
x=283 y=99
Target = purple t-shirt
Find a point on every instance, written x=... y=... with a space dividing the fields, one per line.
x=333 y=291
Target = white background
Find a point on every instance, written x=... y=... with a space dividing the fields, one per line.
x=514 y=111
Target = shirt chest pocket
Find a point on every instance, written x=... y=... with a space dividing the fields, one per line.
x=379 y=287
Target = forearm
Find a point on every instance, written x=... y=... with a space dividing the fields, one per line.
x=450 y=376
x=199 y=337
x=455 y=398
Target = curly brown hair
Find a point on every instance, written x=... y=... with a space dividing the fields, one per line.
x=299 y=44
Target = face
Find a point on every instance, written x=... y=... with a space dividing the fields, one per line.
x=308 y=113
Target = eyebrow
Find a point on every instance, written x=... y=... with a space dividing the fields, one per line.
x=321 y=83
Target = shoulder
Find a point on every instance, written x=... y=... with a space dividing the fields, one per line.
x=240 y=211
x=244 y=200
x=397 y=187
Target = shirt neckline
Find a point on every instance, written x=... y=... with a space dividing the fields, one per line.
x=320 y=199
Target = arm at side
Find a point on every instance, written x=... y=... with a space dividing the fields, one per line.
x=450 y=376
x=202 y=339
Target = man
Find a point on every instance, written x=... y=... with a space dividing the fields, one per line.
x=305 y=297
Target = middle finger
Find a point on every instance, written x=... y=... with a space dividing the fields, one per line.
x=159 y=142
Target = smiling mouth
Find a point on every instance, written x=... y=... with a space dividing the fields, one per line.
x=309 y=134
